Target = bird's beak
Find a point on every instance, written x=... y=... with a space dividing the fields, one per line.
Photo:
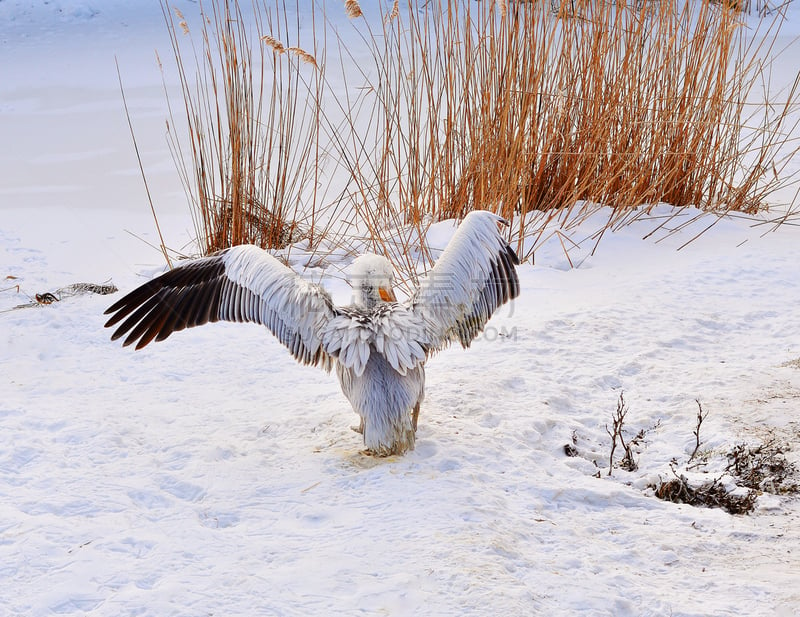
x=387 y=294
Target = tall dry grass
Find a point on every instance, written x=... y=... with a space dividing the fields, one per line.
x=524 y=107
x=541 y=111
x=247 y=143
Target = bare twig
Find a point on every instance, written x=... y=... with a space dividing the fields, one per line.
x=615 y=432
x=701 y=415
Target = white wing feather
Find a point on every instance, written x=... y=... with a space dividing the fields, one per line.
x=472 y=278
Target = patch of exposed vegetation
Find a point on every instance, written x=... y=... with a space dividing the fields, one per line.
x=631 y=445
x=709 y=495
x=764 y=467
x=758 y=469
x=750 y=470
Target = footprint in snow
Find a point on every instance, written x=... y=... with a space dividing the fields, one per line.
x=182 y=490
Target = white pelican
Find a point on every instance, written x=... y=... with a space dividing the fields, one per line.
x=378 y=345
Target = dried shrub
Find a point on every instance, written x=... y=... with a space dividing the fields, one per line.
x=710 y=495
x=763 y=467
x=701 y=416
x=755 y=469
x=540 y=111
x=617 y=433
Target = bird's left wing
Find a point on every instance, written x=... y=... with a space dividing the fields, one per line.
x=473 y=277
x=242 y=284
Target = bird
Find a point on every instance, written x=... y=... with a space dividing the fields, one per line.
x=377 y=345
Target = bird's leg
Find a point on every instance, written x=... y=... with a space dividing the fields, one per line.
x=414 y=416
x=360 y=428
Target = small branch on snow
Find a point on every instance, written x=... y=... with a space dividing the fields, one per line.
x=701 y=415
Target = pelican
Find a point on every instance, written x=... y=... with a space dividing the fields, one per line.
x=377 y=345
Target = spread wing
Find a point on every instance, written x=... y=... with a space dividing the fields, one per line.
x=243 y=284
x=472 y=278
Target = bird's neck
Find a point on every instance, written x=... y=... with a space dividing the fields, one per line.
x=368 y=298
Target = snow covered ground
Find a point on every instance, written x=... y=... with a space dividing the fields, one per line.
x=210 y=475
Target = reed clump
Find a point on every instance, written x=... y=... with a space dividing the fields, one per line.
x=541 y=111
x=560 y=107
x=249 y=157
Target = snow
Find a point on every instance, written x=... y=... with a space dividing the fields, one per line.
x=211 y=475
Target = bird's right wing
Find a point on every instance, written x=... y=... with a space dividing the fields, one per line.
x=472 y=278
x=242 y=284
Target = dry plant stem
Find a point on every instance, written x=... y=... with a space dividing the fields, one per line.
x=615 y=432
x=701 y=415
x=162 y=246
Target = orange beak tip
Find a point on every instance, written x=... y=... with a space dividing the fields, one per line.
x=387 y=295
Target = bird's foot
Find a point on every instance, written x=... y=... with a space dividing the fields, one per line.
x=398 y=448
x=383 y=453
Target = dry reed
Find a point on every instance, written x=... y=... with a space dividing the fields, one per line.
x=250 y=161
x=352 y=9
x=274 y=43
x=518 y=108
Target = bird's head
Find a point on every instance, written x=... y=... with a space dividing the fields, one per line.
x=371 y=277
